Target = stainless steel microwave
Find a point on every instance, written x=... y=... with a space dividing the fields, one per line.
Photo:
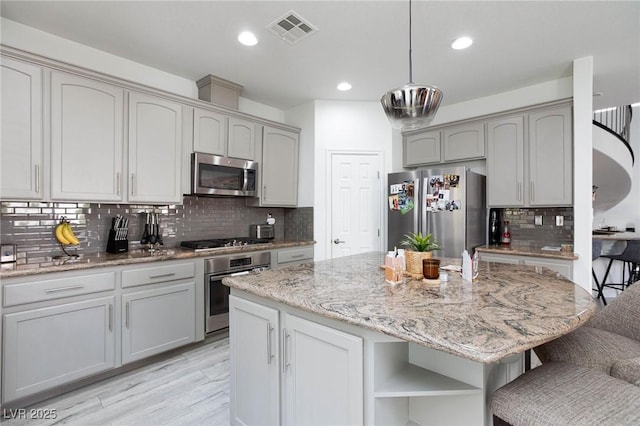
x=213 y=175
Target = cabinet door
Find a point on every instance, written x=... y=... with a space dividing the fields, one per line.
x=155 y=142
x=463 y=142
x=242 y=139
x=564 y=268
x=550 y=158
x=157 y=320
x=491 y=257
x=47 y=347
x=21 y=144
x=255 y=373
x=422 y=148
x=86 y=139
x=322 y=376
x=505 y=162
x=209 y=132
x=279 y=168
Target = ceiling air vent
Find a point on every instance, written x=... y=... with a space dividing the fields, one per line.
x=292 y=27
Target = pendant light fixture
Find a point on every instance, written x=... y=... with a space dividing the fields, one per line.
x=411 y=106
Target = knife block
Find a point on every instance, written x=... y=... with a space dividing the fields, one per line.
x=116 y=246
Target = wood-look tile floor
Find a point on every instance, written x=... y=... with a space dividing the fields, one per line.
x=189 y=388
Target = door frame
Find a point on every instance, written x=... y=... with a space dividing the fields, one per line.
x=329 y=198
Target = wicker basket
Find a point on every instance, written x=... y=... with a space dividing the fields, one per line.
x=414 y=260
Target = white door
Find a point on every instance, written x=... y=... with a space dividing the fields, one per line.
x=355 y=203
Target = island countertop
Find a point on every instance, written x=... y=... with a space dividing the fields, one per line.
x=507 y=310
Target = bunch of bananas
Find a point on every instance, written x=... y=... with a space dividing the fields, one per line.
x=64 y=233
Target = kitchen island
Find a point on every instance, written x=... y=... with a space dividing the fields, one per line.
x=412 y=353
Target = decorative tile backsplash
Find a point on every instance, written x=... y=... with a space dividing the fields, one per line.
x=525 y=232
x=30 y=225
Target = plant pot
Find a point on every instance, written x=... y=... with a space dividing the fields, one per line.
x=414 y=260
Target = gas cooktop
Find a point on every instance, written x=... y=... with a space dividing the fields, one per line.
x=223 y=242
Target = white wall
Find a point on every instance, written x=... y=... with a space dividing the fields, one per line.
x=344 y=126
x=29 y=39
x=582 y=169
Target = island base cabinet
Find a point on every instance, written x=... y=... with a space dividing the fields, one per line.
x=292 y=371
x=322 y=374
x=157 y=320
x=67 y=342
x=254 y=359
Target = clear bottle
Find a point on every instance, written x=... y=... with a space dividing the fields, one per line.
x=506 y=234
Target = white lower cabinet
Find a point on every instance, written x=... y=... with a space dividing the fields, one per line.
x=51 y=346
x=157 y=320
x=295 y=368
x=255 y=360
x=61 y=327
x=318 y=367
x=561 y=266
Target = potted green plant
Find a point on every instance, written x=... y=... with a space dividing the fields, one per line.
x=418 y=247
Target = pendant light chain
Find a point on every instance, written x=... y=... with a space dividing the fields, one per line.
x=410 y=49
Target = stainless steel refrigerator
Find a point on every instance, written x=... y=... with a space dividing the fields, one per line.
x=446 y=202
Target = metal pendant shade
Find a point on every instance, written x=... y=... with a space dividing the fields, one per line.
x=411 y=106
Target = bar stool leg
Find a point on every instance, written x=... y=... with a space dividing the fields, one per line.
x=602 y=284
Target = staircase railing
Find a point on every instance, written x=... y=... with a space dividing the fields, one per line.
x=616 y=121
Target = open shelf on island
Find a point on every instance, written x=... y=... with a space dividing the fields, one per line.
x=412 y=380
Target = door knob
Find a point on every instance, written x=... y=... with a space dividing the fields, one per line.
x=338 y=241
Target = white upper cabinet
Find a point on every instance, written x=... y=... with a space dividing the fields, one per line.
x=279 y=168
x=155 y=145
x=422 y=148
x=86 y=139
x=534 y=167
x=463 y=142
x=209 y=132
x=21 y=146
x=505 y=162
x=242 y=138
x=550 y=157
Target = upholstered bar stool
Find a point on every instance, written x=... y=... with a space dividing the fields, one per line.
x=631 y=265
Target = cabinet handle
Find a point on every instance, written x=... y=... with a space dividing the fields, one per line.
x=269 y=352
x=126 y=315
x=110 y=317
x=71 y=287
x=264 y=192
x=285 y=364
x=245 y=180
x=532 y=189
x=133 y=178
x=295 y=256
x=37 y=173
x=153 y=277
x=519 y=191
x=118 y=183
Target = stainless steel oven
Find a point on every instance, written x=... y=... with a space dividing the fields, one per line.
x=216 y=294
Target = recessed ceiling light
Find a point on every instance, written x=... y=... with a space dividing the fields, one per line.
x=247 y=38
x=462 y=43
x=344 y=86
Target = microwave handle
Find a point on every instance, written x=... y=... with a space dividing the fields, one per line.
x=245 y=182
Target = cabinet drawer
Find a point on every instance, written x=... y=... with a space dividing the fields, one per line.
x=157 y=274
x=38 y=291
x=295 y=255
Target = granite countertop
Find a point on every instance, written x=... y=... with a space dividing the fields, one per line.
x=140 y=255
x=507 y=310
x=515 y=249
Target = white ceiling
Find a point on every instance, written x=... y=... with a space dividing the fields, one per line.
x=517 y=43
